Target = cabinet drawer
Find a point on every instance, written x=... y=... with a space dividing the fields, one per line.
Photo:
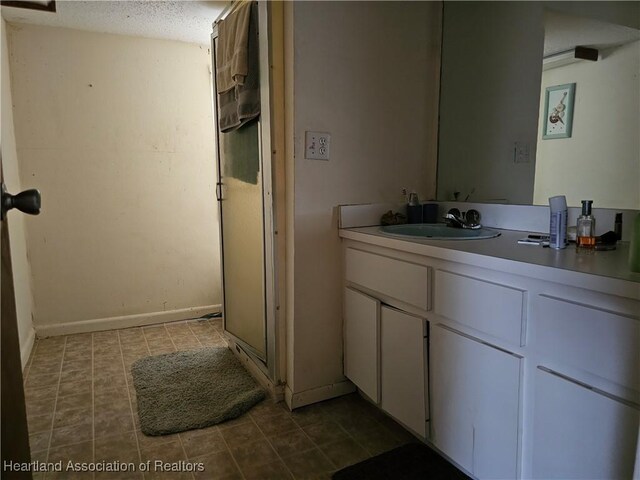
x=488 y=307
x=584 y=337
x=407 y=282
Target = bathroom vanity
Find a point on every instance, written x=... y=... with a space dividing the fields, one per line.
x=514 y=361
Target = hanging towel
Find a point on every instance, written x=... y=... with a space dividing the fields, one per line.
x=231 y=60
x=241 y=103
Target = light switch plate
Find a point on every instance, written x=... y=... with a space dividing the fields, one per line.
x=316 y=145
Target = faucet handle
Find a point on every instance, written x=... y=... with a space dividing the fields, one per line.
x=455 y=212
x=472 y=217
x=454 y=218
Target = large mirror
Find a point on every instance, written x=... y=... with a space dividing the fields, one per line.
x=498 y=60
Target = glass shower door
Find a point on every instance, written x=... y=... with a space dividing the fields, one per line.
x=242 y=224
x=248 y=225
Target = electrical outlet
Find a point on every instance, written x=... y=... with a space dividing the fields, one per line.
x=521 y=152
x=317 y=145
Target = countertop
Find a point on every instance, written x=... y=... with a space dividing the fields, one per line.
x=600 y=270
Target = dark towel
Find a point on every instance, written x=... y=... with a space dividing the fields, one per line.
x=240 y=154
x=231 y=47
x=241 y=104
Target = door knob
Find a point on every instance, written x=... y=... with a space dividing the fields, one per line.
x=28 y=201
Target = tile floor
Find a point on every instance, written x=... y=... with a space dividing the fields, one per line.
x=81 y=406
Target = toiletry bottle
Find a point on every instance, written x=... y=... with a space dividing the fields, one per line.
x=558 y=222
x=617 y=226
x=414 y=209
x=586 y=228
x=634 y=248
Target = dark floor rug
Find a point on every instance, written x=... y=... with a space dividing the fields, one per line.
x=413 y=461
x=196 y=389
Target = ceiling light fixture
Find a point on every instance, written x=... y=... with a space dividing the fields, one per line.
x=570 y=56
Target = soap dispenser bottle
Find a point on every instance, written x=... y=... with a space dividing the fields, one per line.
x=634 y=248
x=586 y=228
x=414 y=209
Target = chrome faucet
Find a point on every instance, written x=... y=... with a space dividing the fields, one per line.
x=469 y=219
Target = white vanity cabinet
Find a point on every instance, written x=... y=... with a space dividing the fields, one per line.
x=475 y=384
x=586 y=414
x=580 y=432
x=475 y=390
x=385 y=347
x=385 y=355
x=403 y=373
x=361 y=333
x=533 y=371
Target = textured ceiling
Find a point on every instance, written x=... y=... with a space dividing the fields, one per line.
x=186 y=21
x=190 y=21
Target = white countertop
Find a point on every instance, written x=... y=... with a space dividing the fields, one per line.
x=601 y=270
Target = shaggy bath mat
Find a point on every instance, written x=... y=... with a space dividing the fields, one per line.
x=196 y=389
x=413 y=461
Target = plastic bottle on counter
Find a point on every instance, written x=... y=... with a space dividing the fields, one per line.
x=558 y=222
x=634 y=248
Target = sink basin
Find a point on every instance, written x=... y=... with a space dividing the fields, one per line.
x=437 y=231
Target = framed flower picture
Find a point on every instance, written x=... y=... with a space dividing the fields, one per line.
x=558 y=111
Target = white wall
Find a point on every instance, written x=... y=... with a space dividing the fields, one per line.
x=364 y=72
x=491 y=67
x=603 y=149
x=15 y=219
x=117 y=133
x=621 y=12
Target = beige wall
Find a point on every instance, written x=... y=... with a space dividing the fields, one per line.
x=364 y=73
x=15 y=219
x=603 y=149
x=117 y=133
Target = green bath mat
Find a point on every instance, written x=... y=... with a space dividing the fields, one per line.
x=196 y=389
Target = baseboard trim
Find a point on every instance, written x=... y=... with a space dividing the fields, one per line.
x=27 y=347
x=314 y=395
x=125 y=321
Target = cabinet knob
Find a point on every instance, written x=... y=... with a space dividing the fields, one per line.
x=28 y=201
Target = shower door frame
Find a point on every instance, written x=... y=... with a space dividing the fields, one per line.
x=269 y=364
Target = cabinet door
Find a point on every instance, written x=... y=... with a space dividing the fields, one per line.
x=402 y=368
x=581 y=433
x=361 y=325
x=475 y=404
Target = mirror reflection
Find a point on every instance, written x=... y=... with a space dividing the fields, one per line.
x=495 y=76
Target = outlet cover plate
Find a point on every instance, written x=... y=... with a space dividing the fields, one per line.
x=317 y=145
x=521 y=152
